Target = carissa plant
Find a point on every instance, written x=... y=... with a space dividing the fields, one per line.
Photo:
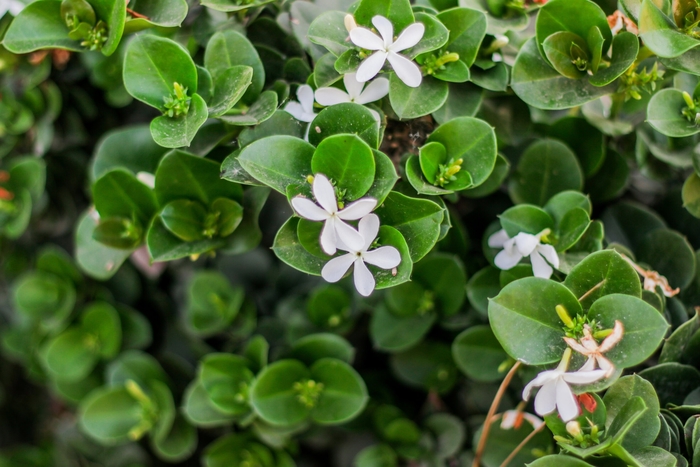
x=369 y=233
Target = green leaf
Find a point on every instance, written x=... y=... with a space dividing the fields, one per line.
x=378 y=455
x=691 y=194
x=212 y=303
x=184 y=176
x=392 y=333
x=226 y=379
x=498 y=23
x=561 y=203
x=525 y=218
x=665 y=114
x=397 y=11
x=541 y=86
x=435 y=36
x=467 y=29
x=152 y=64
x=261 y=110
x=669 y=253
x=385 y=278
x=644 y=327
x=229 y=87
x=39 y=26
x=576 y=16
x=478 y=354
x=410 y=102
x=647 y=426
x=464 y=101
x=524 y=319
x=417 y=220
x=260 y=159
x=385 y=177
x=233 y=5
x=415 y=178
x=557 y=48
x=625 y=47
x=119 y=193
x=44 y=298
x=344 y=393
x=178 y=443
x=280 y=123
x=69 y=356
x=309 y=349
x=672 y=381
x=101 y=322
x=288 y=249
x=559 y=461
x=483 y=286
x=629 y=223
x=584 y=139
x=427 y=366
x=112 y=12
x=95 y=259
x=660 y=34
x=343 y=119
x=603 y=273
x=108 y=414
x=199 y=410
x=138 y=366
x=273 y=397
x=130 y=148
x=176 y=132
x=157 y=13
x=164 y=246
x=348 y=161
x=546 y=168
x=472 y=140
x=444 y=275
x=185 y=219
x=328 y=30
x=230 y=48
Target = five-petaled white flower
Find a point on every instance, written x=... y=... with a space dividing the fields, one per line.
x=522 y=245
x=334 y=230
x=386 y=49
x=555 y=393
x=304 y=109
x=356 y=91
x=385 y=257
x=590 y=348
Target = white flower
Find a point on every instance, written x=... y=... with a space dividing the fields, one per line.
x=514 y=418
x=334 y=230
x=147 y=179
x=356 y=91
x=590 y=348
x=13 y=6
x=386 y=49
x=555 y=393
x=385 y=257
x=522 y=245
x=304 y=109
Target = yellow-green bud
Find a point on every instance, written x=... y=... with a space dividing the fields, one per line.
x=564 y=316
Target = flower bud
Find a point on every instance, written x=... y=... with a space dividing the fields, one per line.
x=350 y=23
x=573 y=428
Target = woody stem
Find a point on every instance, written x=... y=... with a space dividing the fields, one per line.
x=494 y=406
x=593 y=289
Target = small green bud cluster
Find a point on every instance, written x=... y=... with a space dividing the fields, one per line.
x=308 y=392
x=178 y=103
x=633 y=83
x=573 y=327
x=583 y=437
x=448 y=171
x=435 y=62
x=692 y=110
x=149 y=413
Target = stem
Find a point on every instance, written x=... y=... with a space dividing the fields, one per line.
x=595 y=287
x=522 y=445
x=492 y=411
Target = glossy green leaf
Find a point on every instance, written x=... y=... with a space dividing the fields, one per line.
x=288 y=249
x=226 y=378
x=273 y=396
x=557 y=48
x=660 y=34
x=229 y=87
x=119 y=193
x=108 y=414
x=39 y=26
x=342 y=119
x=328 y=30
x=478 y=354
x=131 y=148
x=669 y=253
x=467 y=29
x=344 y=393
x=176 y=132
x=525 y=218
x=665 y=112
x=95 y=259
x=397 y=11
x=156 y=13
x=261 y=110
x=576 y=16
x=625 y=47
x=428 y=366
x=410 y=102
x=645 y=428
x=348 y=161
x=691 y=194
x=261 y=160
x=309 y=349
x=526 y=308
x=392 y=333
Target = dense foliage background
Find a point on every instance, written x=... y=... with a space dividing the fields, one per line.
x=263 y=233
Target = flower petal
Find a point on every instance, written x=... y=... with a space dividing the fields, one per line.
x=406 y=70
x=612 y=340
x=540 y=268
x=331 y=96
x=368 y=228
x=550 y=254
x=358 y=209
x=583 y=377
x=526 y=243
x=566 y=401
x=295 y=110
x=536 y=422
x=539 y=380
x=324 y=193
x=364 y=281
x=385 y=28
x=546 y=398
x=408 y=37
x=505 y=260
x=352 y=86
x=350 y=238
x=308 y=209
x=363 y=37
x=498 y=239
x=329 y=236
x=305 y=95
x=589 y=365
x=385 y=257
x=335 y=269
x=574 y=344
x=509 y=418
x=371 y=66
x=374 y=91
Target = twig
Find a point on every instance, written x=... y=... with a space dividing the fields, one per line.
x=522 y=445
x=492 y=411
x=595 y=287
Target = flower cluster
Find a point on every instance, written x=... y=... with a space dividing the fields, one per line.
x=555 y=393
x=337 y=234
x=521 y=246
